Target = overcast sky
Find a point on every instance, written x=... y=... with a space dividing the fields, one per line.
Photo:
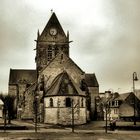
x=105 y=34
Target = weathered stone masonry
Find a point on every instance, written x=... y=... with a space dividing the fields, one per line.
x=59 y=83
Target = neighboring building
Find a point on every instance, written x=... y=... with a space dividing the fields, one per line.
x=57 y=84
x=102 y=105
x=120 y=106
x=126 y=109
x=114 y=104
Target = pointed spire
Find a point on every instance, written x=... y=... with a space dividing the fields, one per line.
x=52 y=23
x=68 y=35
x=52 y=11
x=38 y=34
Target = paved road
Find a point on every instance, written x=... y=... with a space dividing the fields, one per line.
x=67 y=136
x=69 y=130
x=92 y=131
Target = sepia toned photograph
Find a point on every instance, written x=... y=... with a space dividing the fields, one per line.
x=69 y=70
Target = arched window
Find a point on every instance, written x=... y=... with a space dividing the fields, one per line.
x=82 y=105
x=51 y=102
x=68 y=102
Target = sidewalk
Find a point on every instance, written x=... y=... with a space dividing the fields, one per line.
x=92 y=127
x=70 y=131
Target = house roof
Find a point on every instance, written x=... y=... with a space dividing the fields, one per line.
x=123 y=96
x=112 y=97
x=91 y=80
x=22 y=75
x=63 y=84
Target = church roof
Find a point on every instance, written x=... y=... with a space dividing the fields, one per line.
x=53 y=22
x=22 y=75
x=91 y=80
x=64 y=62
x=64 y=85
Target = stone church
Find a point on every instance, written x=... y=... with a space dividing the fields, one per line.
x=58 y=89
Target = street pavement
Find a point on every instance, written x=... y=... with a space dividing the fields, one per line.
x=95 y=127
x=91 y=131
x=67 y=136
x=92 y=127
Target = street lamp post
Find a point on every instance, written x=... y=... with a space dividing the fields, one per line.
x=134 y=79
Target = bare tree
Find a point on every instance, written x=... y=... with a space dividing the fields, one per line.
x=8 y=108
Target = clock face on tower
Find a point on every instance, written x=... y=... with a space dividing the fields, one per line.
x=53 y=31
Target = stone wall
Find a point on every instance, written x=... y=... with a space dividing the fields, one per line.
x=50 y=115
x=12 y=90
x=57 y=66
x=60 y=114
x=27 y=107
x=94 y=92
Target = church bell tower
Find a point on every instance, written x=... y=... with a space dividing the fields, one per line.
x=48 y=44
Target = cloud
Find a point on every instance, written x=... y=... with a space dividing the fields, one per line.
x=105 y=33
